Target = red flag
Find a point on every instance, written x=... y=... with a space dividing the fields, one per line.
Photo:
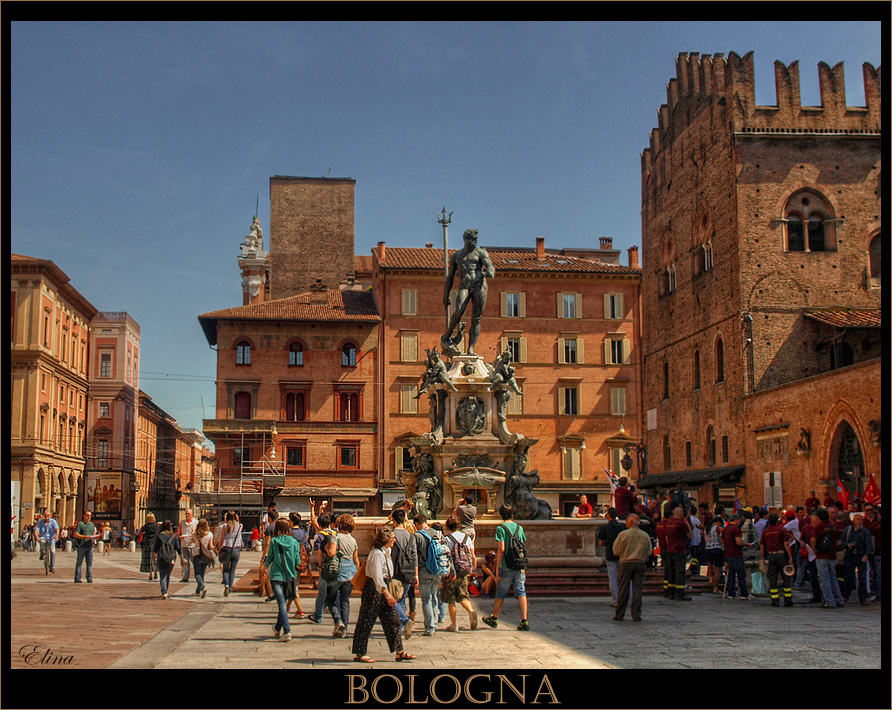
x=871 y=492
x=842 y=493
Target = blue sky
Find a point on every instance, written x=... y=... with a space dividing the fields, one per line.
x=138 y=150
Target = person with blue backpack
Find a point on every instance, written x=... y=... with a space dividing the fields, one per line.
x=433 y=567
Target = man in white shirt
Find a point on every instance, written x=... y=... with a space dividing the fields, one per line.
x=184 y=532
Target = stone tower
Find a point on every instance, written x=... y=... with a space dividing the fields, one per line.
x=311 y=233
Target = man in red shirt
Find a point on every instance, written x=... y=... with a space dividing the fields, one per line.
x=623 y=498
x=585 y=508
x=822 y=542
x=678 y=532
x=733 y=539
x=812 y=502
x=776 y=546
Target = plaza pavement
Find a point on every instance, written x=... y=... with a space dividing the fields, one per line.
x=120 y=621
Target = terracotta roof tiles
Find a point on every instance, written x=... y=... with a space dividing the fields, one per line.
x=503 y=260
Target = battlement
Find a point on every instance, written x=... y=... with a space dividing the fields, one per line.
x=725 y=87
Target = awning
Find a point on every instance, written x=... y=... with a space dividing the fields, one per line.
x=727 y=474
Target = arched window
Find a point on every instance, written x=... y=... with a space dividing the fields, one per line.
x=348 y=355
x=666 y=380
x=809 y=220
x=876 y=268
x=242 y=405
x=710 y=446
x=295 y=354
x=349 y=406
x=667 y=454
x=719 y=361
x=696 y=369
x=243 y=353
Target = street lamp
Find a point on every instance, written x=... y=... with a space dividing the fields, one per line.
x=640 y=452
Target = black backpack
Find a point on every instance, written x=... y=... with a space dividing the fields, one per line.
x=515 y=551
x=331 y=564
x=403 y=561
x=166 y=551
x=824 y=544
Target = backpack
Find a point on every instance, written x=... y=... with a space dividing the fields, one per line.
x=438 y=557
x=403 y=564
x=166 y=551
x=515 y=551
x=462 y=562
x=824 y=544
x=331 y=564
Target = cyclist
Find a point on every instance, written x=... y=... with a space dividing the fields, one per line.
x=47 y=533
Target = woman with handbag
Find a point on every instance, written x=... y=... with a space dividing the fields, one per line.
x=281 y=561
x=229 y=549
x=203 y=556
x=147 y=535
x=379 y=597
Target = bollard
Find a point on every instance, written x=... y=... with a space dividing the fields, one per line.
x=131 y=547
x=100 y=547
x=68 y=546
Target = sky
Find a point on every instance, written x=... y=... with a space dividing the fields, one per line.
x=139 y=151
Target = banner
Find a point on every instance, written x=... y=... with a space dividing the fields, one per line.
x=871 y=492
x=841 y=493
x=104 y=495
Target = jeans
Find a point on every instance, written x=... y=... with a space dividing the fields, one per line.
x=164 y=571
x=321 y=596
x=428 y=586
x=830 y=591
x=612 y=568
x=84 y=552
x=229 y=567
x=282 y=619
x=47 y=547
x=337 y=599
x=876 y=565
x=737 y=575
x=200 y=566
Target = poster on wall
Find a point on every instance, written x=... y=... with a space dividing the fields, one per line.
x=104 y=495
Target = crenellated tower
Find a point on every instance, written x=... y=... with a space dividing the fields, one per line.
x=753 y=218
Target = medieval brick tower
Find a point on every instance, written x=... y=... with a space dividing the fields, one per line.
x=311 y=233
x=761 y=250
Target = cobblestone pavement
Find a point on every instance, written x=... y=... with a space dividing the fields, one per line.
x=120 y=621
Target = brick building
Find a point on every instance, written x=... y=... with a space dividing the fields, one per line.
x=571 y=321
x=317 y=371
x=49 y=368
x=761 y=285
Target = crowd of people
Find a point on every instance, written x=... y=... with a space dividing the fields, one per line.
x=834 y=549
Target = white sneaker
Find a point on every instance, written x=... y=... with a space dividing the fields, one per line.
x=286 y=637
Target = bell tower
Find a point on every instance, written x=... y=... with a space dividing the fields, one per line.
x=254 y=264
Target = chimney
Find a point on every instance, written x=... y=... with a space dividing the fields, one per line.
x=606 y=243
x=633 y=257
x=382 y=252
x=318 y=292
x=540 y=248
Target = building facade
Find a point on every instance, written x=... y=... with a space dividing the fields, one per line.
x=572 y=326
x=317 y=375
x=761 y=285
x=50 y=361
x=112 y=419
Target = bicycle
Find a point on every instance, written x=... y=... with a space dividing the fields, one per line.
x=45 y=550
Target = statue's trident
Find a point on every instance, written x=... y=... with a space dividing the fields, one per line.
x=445 y=219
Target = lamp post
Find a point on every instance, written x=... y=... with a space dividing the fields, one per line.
x=640 y=452
x=445 y=219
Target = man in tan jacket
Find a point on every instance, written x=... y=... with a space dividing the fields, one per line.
x=633 y=547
